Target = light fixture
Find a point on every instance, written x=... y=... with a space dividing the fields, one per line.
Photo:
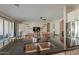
x=17 y=5
x=43 y=18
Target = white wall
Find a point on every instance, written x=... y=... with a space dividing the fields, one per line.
x=24 y=27
x=57 y=26
x=27 y=27
x=72 y=16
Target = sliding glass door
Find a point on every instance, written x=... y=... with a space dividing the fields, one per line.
x=11 y=29
x=6 y=28
x=1 y=32
x=6 y=31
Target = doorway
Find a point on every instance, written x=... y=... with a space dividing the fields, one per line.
x=62 y=31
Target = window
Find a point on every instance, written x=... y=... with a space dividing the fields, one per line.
x=11 y=29
x=8 y=28
x=6 y=33
x=1 y=26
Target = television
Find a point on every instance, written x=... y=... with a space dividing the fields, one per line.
x=35 y=29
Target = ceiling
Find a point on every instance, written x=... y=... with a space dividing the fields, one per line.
x=33 y=12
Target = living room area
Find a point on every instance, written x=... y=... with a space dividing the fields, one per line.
x=37 y=29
